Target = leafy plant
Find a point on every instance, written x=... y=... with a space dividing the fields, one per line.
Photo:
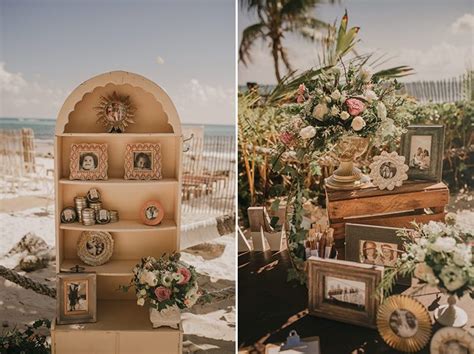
x=32 y=339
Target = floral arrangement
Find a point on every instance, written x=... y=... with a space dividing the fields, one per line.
x=165 y=282
x=437 y=254
x=344 y=101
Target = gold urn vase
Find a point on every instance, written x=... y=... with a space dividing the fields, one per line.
x=347 y=176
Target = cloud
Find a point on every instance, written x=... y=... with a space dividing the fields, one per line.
x=465 y=23
x=22 y=98
x=160 y=60
x=202 y=103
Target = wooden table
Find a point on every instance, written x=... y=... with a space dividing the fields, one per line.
x=270 y=307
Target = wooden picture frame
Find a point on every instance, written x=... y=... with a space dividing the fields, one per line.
x=357 y=304
x=143 y=161
x=382 y=239
x=88 y=162
x=427 y=140
x=76 y=297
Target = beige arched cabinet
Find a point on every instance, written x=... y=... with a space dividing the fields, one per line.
x=122 y=326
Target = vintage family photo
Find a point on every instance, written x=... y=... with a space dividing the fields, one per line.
x=88 y=161
x=379 y=253
x=420 y=152
x=388 y=170
x=142 y=160
x=344 y=292
x=75 y=295
x=403 y=323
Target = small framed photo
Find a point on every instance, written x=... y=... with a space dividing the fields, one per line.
x=88 y=162
x=378 y=245
x=143 y=161
x=76 y=298
x=152 y=213
x=423 y=148
x=344 y=291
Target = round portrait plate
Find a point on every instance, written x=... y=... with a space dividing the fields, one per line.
x=452 y=340
x=95 y=247
x=152 y=213
x=68 y=215
x=404 y=323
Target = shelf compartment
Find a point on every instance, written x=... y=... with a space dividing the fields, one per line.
x=122 y=226
x=116 y=181
x=133 y=135
x=117 y=268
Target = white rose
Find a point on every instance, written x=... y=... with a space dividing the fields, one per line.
x=143 y=292
x=141 y=301
x=381 y=111
x=344 y=115
x=444 y=244
x=327 y=99
x=148 y=278
x=365 y=74
x=320 y=111
x=308 y=132
x=334 y=110
x=335 y=95
x=462 y=255
x=419 y=253
x=433 y=228
x=370 y=95
x=425 y=273
x=452 y=277
x=166 y=279
x=358 y=123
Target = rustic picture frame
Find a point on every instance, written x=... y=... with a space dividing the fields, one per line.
x=357 y=233
x=318 y=271
x=92 y=156
x=435 y=133
x=152 y=213
x=143 y=161
x=95 y=247
x=446 y=338
x=388 y=170
x=84 y=309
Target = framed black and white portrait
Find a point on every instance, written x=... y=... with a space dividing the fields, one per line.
x=76 y=294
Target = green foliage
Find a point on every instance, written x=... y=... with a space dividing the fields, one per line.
x=32 y=339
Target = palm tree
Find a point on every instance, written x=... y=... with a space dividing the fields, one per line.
x=277 y=17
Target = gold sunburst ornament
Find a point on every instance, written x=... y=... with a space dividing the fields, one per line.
x=404 y=323
x=115 y=112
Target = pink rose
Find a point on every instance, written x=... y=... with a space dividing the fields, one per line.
x=287 y=138
x=300 y=99
x=301 y=89
x=162 y=293
x=355 y=106
x=186 y=275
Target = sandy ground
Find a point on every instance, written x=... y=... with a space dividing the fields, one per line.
x=30 y=208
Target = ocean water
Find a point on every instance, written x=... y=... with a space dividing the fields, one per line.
x=44 y=128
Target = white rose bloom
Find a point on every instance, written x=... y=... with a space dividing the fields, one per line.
x=444 y=244
x=370 y=96
x=334 y=110
x=320 y=111
x=419 y=253
x=335 y=95
x=327 y=99
x=365 y=74
x=141 y=301
x=143 y=292
x=462 y=255
x=452 y=277
x=381 y=110
x=166 y=279
x=148 y=278
x=358 y=123
x=344 y=115
x=433 y=227
x=308 y=132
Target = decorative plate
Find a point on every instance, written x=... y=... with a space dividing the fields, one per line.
x=388 y=170
x=95 y=247
x=152 y=213
x=68 y=215
x=115 y=112
x=452 y=340
x=404 y=323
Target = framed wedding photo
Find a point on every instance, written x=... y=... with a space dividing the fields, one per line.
x=143 y=161
x=88 y=162
x=377 y=245
x=423 y=148
x=76 y=298
x=344 y=291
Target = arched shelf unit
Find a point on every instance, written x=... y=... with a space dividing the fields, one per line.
x=156 y=121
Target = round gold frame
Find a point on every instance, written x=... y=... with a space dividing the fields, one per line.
x=423 y=332
x=115 y=112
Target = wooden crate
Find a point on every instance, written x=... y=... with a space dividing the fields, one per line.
x=413 y=201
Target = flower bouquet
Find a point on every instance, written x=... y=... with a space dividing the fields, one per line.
x=341 y=109
x=438 y=255
x=168 y=285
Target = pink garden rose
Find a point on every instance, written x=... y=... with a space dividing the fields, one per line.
x=301 y=89
x=355 y=106
x=162 y=293
x=300 y=99
x=186 y=275
x=287 y=138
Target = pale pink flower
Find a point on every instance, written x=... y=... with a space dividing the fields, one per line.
x=300 y=99
x=162 y=293
x=301 y=89
x=186 y=275
x=287 y=138
x=355 y=106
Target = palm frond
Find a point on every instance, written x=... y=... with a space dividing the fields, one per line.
x=249 y=36
x=398 y=71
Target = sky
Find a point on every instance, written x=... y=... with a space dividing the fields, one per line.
x=49 y=47
x=435 y=37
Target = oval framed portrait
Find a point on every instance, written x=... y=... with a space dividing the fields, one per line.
x=152 y=213
x=68 y=215
x=450 y=340
x=404 y=323
x=95 y=247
